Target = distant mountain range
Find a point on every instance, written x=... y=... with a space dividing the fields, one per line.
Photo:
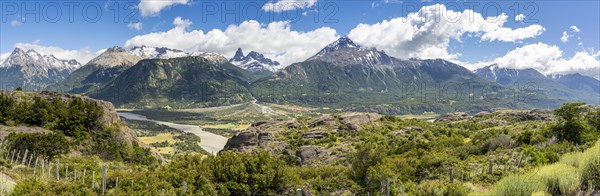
x=573 y=87
x=97 y=71
x=33 y=71
x=256 y=63
x=347 y=75
x=342 y=75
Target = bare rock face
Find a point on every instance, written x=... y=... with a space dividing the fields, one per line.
x=323 y=121
x=314 y=135
x=249 y=138
x=455 y=116
x=353 y=120
x=310 y=153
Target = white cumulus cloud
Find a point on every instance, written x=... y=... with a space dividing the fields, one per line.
x=276 y=40
x=565 y=37
x=512 y=35
x=286 y=5
x=519 y=17
x=575 y=29
x=153 y=7
x=135 y=25
x=547 y=59
x=427 y=33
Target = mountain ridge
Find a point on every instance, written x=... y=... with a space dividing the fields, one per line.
x=256 y=63
x=31 y=70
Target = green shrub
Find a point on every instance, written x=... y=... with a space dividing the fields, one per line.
x=560 y=179
x=442 y=189
x=37 y=187
x=572 y=158
x=45 y=144
x=518 y=185
x=590 y=166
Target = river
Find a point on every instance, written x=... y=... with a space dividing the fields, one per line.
x=210 y=142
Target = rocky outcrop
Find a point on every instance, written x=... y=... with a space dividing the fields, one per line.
x=310 y=153
x=455 y=116
x=526 y=115
x=265 y=136
x=249 y=138
x=314 y=135
x=353 y=120
x=323 y=121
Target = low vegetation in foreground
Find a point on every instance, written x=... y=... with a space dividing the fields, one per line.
x=499 y=153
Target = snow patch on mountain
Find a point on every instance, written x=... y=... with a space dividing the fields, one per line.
x=35 y=61
x=255 y=62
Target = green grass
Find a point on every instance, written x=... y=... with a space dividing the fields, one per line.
x=519 y=185
x=576 y=171
x=572 y=158
x=590 y=166
x=560 y=179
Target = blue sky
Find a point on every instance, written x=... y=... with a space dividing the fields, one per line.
x=290 y=31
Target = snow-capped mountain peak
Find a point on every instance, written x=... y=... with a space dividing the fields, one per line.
x=213 y=57
x=341 y=43
x=255 y=62
x=345 y=52
x=157 y=52
x=35 y=70
x=31 y=58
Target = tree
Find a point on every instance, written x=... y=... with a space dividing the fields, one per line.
x=569 y=127
x=593 y=119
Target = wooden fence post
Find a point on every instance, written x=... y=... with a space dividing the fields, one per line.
x=387 y=187
x=74 y=175
x=482 y=168
x=49 y=169
x=103 y=178
x=520 y=159
x=83 y=178
x=184 y=187
x=57 y=170
x=66 y=172
x=451 y=174
x=35 y=166
x=117 y=183
x=6 y=153
x=491 y=167
x=49 y=166
x=12 y=158
x=30 y=158
x=24 y=157
x=93 y=180
x=43 y=169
